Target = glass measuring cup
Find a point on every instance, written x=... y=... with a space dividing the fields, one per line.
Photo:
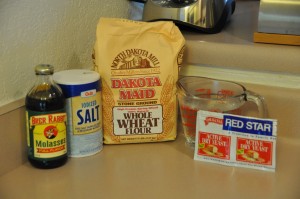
x=200 y=93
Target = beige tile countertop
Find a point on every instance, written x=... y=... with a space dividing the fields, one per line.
x=161 y=170
x=167 y=170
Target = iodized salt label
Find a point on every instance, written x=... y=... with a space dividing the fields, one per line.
x=82 y=89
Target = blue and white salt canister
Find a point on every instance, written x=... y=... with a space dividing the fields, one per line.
x=82 y=89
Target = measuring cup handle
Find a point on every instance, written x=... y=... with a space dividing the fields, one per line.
x=259 y=101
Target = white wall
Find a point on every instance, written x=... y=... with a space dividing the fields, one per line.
x=57 y=32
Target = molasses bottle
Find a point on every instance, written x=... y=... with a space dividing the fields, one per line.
x=46 y=121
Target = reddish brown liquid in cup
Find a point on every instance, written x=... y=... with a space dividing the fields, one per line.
x=218 y=104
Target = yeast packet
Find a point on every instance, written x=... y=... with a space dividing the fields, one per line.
x=234 y=140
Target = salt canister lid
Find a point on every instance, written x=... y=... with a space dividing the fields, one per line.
x=75 y=77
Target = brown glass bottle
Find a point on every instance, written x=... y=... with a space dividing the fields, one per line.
x=46 y=121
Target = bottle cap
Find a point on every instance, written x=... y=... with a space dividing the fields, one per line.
x=44 y=69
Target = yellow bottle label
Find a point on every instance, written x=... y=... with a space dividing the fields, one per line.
x=47 y=135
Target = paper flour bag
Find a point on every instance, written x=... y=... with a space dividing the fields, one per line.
x=138 y=63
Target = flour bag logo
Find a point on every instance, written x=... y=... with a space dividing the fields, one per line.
x=135 y=59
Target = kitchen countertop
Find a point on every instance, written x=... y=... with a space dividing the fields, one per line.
x=156 y=170
x=167 y=170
